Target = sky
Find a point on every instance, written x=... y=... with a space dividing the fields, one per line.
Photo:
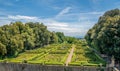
x=73 y=17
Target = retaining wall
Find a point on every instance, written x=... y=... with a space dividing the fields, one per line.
x=37 y=67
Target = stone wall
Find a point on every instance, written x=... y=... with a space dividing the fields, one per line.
x=37 y=67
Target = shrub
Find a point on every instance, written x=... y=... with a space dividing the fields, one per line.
x=24 y=61
x=54 y=63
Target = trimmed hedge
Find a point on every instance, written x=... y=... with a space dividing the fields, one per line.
x=82 y=64
x=59 y=52
x=53 y=63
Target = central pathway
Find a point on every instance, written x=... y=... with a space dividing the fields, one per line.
x=70 y=55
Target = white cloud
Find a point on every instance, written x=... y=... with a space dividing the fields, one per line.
x=75 y=24
x=21 y=17
x=58 y=24
x=69 y=29
x=63 y=29
x=64 y=11
x=79 y=27
x=83 y=13
x=81 y=16
x=50 y=22
x=93 y=13
x=4 y=22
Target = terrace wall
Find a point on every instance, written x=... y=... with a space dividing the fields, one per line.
x=37 y=67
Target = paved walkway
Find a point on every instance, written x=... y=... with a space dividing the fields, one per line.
x=70 y=55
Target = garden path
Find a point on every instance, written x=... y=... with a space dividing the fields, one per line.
x=70 y=55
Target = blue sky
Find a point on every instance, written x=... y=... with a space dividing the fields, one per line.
x=73 y=17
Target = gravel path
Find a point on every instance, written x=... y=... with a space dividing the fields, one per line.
x=70 y=55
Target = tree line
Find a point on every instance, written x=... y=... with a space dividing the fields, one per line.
x=17 y=37
x=105 y=34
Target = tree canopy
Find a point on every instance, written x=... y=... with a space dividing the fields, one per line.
x=18 y=37
x=105 y=34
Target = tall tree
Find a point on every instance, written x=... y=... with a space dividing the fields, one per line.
x=104 y=35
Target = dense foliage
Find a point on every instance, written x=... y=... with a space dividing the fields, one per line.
x=105 y=35
x=18 y=37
